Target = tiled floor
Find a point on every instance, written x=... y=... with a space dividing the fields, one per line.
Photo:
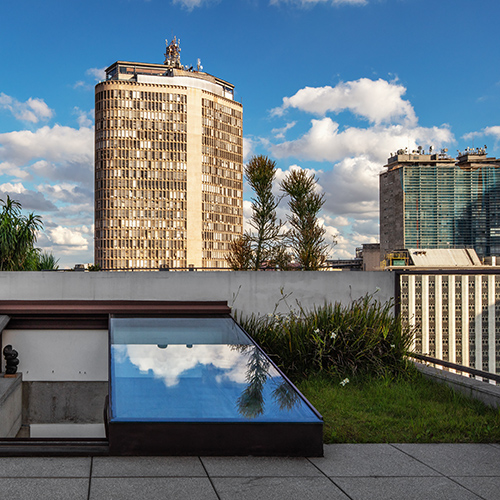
x=373 y=471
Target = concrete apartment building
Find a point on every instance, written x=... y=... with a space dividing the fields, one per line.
x=432 y=201
x=168 y=166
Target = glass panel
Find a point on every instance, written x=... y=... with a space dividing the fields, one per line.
x=196 y=370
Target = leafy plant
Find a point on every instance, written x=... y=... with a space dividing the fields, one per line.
x=362 y=337
x=47 y=262
x=18 y=234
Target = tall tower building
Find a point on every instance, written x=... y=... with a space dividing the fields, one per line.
x=434 y=201
x=168 y=166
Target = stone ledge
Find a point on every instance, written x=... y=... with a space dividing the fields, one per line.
x=10 y=405
x=488 y=393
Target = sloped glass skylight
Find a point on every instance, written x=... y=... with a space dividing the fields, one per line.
x=196 y=370
x=201 y=386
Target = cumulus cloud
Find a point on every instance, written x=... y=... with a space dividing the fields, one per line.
x=29 y=199
x=487 y=131
x=169 y=364
x=65 y=237
x=378 y=101
x=351 y=188
x=353 y=156
x=326 y=142
x=9 y=168
x=58 y=152
x=98 y=73
x=67 y=193
x=33 y=110
x=279 y=133
x=57 y=143
x=248 y=148
x=85 y=118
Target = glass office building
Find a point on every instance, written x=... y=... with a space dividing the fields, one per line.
x=433 y=201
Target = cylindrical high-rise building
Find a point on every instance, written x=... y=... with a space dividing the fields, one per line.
x=168 y=166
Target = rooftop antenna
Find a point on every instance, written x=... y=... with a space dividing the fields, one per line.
x=173 y=54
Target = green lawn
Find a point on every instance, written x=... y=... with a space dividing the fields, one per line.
x=411 y=410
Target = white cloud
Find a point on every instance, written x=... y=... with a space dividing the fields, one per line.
x=170 y=363
x=487 y=131
x=379 y=101
x=57 y=143
x=354 y=156
x=85 y=119
x=33 y=110
x=98 y=73
x=325 y=142
x=29 y=199
x=58 y=152
x=12 y=188
x=67 y=193
x=248 y=148
x=279 y=133
x=66 y=237
x=340 y=221
x=351 y=188
x=12 y=170
x=190 y=4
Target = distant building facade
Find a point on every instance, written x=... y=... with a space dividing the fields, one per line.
x=432 y=201
x=168 y=166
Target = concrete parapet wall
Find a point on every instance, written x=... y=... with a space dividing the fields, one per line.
x=10 y=406
x=63 y=402
x=245 y=291
x=487 y=393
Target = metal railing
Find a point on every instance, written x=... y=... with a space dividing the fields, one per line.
x=459 y=368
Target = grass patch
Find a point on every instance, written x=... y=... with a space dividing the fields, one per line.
x=351 y=363
x=403 y=409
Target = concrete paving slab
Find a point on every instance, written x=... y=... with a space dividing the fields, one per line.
x=152 y=488
x=407 y=488
x=44 y=466
x=277 y=488
x=368 y=460
x=457 y=459
x=258 y=466
x=487 y=488
x=147 y=467
x=54 y=488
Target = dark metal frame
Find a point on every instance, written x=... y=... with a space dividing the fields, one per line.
x=216 y=438
x=93 y=314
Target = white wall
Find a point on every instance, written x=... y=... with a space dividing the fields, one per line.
x=60 y=355
x=244 y=291
x=82 y=355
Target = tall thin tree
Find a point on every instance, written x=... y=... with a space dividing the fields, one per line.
x=306 y=235
x=260 y=173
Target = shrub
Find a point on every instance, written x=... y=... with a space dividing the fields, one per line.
x=362 y=337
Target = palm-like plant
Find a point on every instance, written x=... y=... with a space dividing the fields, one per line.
x=18 y=234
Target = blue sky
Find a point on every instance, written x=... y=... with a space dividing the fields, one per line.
x=333 y=86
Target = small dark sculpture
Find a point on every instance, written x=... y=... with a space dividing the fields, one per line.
x=11 y=360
